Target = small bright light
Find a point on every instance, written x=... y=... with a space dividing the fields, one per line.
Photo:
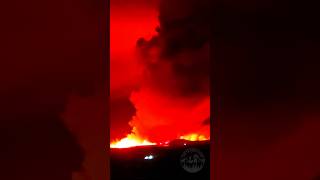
x=149 y=157
x=185 y=144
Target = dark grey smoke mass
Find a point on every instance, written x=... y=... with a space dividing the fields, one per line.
x=173 y=94
x=182 y=43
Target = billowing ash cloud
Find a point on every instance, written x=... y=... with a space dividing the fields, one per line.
x=173 y=96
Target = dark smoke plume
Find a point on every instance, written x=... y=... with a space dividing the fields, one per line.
x=173 y=96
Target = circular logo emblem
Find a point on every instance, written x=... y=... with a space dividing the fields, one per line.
x=192 y=160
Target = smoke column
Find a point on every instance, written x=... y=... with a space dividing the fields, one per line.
x=171 y=83
x=172 y=97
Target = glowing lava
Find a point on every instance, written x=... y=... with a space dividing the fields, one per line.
x=131 y=140
x=194 y=137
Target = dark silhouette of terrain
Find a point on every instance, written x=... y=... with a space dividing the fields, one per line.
x=130 y=163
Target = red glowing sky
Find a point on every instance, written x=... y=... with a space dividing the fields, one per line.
x=128 y=22
x=153 y=108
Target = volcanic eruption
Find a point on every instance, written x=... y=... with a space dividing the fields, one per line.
x=170 y=91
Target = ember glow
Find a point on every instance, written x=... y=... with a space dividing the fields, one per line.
x=195 y=137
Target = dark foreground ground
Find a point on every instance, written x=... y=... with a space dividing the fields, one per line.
x=160 y=162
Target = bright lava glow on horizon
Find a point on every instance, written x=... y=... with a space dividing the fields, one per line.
x=128 y=142
x=194 y=137
x=131 y=140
